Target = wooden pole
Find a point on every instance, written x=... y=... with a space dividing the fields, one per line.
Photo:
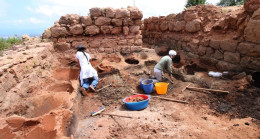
x=185 y=87
x=103 y=87
x=204 y=89
x=116 y=115
x=173 y=100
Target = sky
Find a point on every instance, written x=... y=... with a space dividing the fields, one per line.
x=34 y=16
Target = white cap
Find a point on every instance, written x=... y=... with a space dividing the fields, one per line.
x=172 y=53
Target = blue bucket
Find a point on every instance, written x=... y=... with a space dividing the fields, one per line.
x=137 y=105
x=140 y=80
x=148 y=86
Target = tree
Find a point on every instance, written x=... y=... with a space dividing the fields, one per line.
x=231 y=2
x=194 y=3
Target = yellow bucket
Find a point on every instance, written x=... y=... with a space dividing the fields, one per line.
x=161 y=88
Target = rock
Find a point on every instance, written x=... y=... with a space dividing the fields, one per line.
x=251 y=5
x=214 y=44
x=116 y=30
x=164 y=26
x=171 y=26
x=69 y=19
x=244 y=61
x=252 y=30
x=46 y=34
x=125 y=49
x=125 y=30
x=106 y=29
x=59 y=32
x=179 y=25
x=109 y=43
x=138 y=42
x=86 y=20
x=128 y=22
x=9 y=82
x=134 y=29
x=110 y=12
x=75 y=44
x=204 y=42
x=239 y=76
x=136 y=14
x=228 y=45
x=15 y=122
x=208 y=61
x=170 y=17
x=95 y=43
x=255 y=64
x=190 y=15
x=249 y=49
x=26 y=38
x=76 y=29
x=224 y=66
x=100 y=21
x=62 y=46
x=138 y=22
x=95 y=12
x=117 y=22
x=218 y=55
x=136 y=48
x=232 y=57
x=202 y=50
x=122 y=13
x=193 y=26
x=92 y=30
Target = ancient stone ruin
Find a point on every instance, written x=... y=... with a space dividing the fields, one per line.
x=104 y=30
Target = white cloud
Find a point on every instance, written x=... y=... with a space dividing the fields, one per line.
x=17 y=21
x=34 y=20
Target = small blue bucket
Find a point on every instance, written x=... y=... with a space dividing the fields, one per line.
x=141 y=85
x=148 y=86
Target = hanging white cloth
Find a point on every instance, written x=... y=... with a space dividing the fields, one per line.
x=86 y=69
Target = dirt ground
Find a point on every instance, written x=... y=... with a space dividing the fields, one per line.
x=54 y=90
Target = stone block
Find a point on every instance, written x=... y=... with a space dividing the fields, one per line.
x=92 y=30
x=101 y=21
x=62 y=46
x=215 y=44
x=218 y=55
x=193 y=26
x=86 y=20
x=249 y=49
x=76 y=29
x=232 y=57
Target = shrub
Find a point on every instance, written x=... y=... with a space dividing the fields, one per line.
x=9 y=42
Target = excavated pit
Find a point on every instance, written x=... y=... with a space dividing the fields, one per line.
x=256 y=78
x=132 y=61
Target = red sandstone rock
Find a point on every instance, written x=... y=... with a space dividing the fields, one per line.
x=228 y=45
x=136 y=48
x=170 y=17
x=164 y=26
x=86 y=20
x=251 y=5
x=125 y=30
x=136 y=14
x=106 y=29
x=92 y=30
x=232 y=57
x=95 y=43
x=116 y=30
x=202 y=50
x=134 y=29
x=193 y=26
x=249 y=49
x=95 y=12
x=117 y=22
x=69 y=19
x=62 y=46
x=59 y=31
x=190 y=15
x=76 y=29
x=138 y=22
x=179 y=25
x=138 y=42
x=110 y=12
x=171 y=26
x=122 y=13
x=15 y=122
x=252 y=30
x=218 y=55
x=214 y=44
x=100 y=21
x=128 y=22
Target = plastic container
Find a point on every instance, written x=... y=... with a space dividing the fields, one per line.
x=137 y=105
x=147 y=86
x=140 y=80
x=161 y=88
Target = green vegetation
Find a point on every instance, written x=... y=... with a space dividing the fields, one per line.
x=194 y=3
x=231 y=2
x=9 y=42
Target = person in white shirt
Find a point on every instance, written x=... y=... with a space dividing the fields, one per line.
x=87 y=72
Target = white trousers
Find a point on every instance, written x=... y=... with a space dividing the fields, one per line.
x=158 y=74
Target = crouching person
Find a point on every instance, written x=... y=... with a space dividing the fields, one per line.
x=88 y=75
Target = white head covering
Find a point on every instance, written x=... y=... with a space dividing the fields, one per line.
x=172 y=53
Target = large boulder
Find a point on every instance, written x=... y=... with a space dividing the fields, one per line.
x=95 y=12
x=92 y=30
x=46 y=34
x=117 y=22
x=106 y=29
x=59 y=32
x=190 y=15
x=76 y=29
x=136 y=14
x=100 y=21
x=116 y=30
x=252 y=30
x=110 y=12
x=69 y=19
x=164 y=26
x=122 y=13
x=179 y=25
x=193 y=26
x=251 y=5
x=249 y=49
x=62 y=46
x=86 y=20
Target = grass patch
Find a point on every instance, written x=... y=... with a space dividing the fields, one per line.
x=9 y=42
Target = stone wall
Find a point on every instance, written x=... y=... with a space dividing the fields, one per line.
x=227 y=39
x=104 y=30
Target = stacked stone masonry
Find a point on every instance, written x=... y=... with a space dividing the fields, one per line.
x=228 y=40
x=104 y=30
